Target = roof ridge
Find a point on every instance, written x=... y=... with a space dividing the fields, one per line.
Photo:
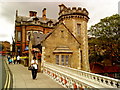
x=55 y=29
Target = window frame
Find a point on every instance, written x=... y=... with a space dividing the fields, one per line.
x=63 y=59
x=57 y=59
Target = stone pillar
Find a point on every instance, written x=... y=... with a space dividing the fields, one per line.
x=84 y=47
x=79 y=55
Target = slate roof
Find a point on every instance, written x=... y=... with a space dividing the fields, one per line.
x=38 y=38
x=30 y=19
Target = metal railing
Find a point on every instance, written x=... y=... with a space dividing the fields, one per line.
x=74 y=78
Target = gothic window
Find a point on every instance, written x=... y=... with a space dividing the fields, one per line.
x=19 y=36
x=78 y=28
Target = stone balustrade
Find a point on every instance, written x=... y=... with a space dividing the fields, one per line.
x=74 y=78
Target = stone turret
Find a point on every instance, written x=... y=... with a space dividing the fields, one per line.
x=76 y=19
x=66 y=12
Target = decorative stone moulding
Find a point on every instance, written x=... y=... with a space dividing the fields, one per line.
x=73 y=9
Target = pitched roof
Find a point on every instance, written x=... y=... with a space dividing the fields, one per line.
x=30 y=19
x=68 y=31
x=71 y=33
x=38 y=37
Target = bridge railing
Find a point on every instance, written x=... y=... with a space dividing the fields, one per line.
x=74 y=78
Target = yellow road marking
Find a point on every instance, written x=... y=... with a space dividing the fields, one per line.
x=6 y=81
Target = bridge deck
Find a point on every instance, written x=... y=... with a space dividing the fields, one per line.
x=22 y=78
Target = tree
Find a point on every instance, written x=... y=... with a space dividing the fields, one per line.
x=106 y=35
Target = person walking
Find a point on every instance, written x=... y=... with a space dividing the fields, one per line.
x=10 y=61
x=34 y=63
x=8 y=57
x=18 y=59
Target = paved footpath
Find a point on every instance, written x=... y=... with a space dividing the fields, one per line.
x=22 y=78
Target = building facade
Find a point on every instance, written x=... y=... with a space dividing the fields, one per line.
x=5 y=48
x=32 y=23
x=67 y=44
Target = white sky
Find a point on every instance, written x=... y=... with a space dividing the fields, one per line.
x=98 y=9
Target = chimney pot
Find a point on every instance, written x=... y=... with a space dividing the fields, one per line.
x=44 y=14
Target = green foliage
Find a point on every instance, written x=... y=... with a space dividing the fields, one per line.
x=107 y=37
x=107 y=27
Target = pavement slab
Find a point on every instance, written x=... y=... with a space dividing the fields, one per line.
x=22 y=78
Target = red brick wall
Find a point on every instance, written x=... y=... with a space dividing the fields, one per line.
x=18 y=28
x=34 y=28
x=23 y=30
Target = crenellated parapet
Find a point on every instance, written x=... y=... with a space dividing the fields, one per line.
x=67 y=12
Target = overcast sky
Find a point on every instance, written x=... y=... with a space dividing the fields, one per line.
x=98 y=9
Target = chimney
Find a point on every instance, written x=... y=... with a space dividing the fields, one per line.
x=16 y=13
x=32 y=13
x=44 y=14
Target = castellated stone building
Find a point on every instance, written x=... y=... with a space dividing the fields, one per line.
x=67 y=44
x=24 y=25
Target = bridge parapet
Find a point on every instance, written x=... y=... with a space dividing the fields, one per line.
x=74 y=78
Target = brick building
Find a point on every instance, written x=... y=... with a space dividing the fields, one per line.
x=32 y=23
x=5 y=49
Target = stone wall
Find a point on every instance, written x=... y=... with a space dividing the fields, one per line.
x=59 y=38
x=77 y=42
